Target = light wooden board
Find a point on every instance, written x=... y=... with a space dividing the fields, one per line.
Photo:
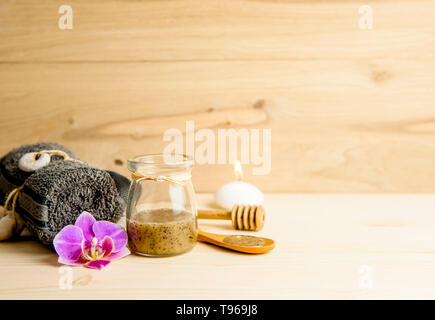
x=326 y=246
x=207 y=30
x=350 y=110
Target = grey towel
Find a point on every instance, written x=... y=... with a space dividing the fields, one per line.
x=11 y=176
x=55 y=195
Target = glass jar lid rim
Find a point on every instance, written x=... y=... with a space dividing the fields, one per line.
x=161 y=159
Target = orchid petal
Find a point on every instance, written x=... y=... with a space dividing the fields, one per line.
x=85 y=256
x=107 y=245
x=97 y=264
x=68 y=243
x=114 y=231
x=77 y=262
x=118 y=255
x=85 y=222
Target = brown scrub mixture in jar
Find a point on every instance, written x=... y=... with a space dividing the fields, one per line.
x=162 y=232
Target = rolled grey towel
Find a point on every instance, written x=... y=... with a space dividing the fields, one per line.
x=11 y=176
x=54 y=196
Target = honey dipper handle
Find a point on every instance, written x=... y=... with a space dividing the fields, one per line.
x=214 y=214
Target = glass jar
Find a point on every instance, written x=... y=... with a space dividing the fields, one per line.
x=161 y=208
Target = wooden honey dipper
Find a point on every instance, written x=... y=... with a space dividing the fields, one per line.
x=244 y=217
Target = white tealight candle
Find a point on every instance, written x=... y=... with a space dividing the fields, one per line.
x=238 y=192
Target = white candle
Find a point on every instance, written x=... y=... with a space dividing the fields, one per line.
x=238 y=192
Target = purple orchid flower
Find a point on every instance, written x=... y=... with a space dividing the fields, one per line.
x=90 y=243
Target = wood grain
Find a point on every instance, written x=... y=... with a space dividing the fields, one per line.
x=213 y=30
x=350 y=110
x=325 y=245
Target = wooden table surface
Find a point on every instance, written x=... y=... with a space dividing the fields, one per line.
x=328 y=246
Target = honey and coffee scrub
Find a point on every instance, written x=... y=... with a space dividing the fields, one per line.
x=162 y=232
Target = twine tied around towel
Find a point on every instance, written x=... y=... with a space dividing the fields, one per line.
x=16 y=193
x=13 y=196
x=59 y=153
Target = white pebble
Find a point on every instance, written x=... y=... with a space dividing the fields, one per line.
x=6 y=227
x=29 y=163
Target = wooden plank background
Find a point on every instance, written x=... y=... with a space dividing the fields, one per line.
x=350 y=110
